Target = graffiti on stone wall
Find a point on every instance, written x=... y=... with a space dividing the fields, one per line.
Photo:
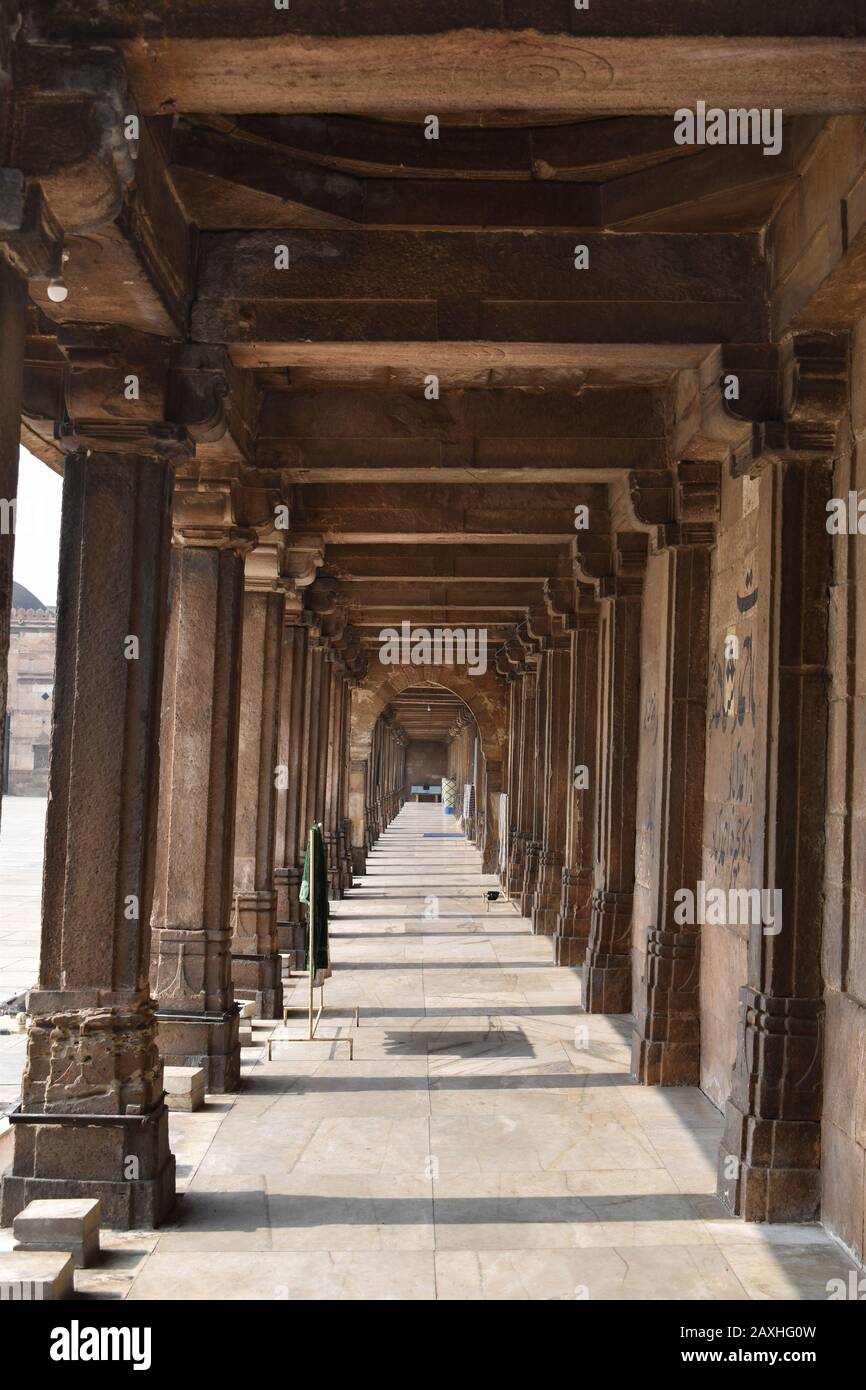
x=732 y=717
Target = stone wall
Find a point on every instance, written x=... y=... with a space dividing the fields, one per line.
x=843 y=1129
x=426 y=761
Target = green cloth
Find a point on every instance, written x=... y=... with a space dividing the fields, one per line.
x=321 y=945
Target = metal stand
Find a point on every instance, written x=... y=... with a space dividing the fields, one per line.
x=312 y=1016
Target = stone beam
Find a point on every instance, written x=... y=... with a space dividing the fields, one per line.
x=485 y=363
x=405 y=596
x=489 y=564
x=682 y=287
x=448 y=516
x=484 y=70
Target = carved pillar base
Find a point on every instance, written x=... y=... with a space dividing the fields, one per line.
x=770 y=1155
x=666 y=1045
x=545 y=910
x=515 y=864
x=607 y=968
x=92 y=1055
x=345 y=857
x=332 y=852
x=206 y=1040
x=256 y=964
x=574 y=918
x=290 y=924
x=530 y=878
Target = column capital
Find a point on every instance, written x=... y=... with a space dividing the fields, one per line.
x=205 y=516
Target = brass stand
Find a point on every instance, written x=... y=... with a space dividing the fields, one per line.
x=312 y=1017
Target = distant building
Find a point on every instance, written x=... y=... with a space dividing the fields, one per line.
x=30 y=692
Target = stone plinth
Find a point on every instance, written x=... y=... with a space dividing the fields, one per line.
x=36 y=1276
x=184 y=1088
x=71 y=1225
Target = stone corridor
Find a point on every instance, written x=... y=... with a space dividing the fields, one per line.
x=485 y=1143
x=444 y=410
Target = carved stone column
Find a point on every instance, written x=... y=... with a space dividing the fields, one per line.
x=607 y=967
x=92 y=1121
x=302 y=555
x=769 y=1159
x=575 y=911
x=332 y=753
x=539 y=635
x=557 y=781
x=256 y=964
x=343 y=825
x=13 y=299
x=492 y=790
x=666 y=1046
x=192 y=906
x=358 y=776
x=526 y=754
x=287 y=875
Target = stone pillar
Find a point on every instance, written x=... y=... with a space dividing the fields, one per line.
x=302 y=554
x=492 y=790
x=92 y=1121
x=536 y=772
x=607 y=967
x=312 y=732
x=769 y=1159
x=370 y=831
x=526 y=754
x=343 y=824
x=256 y=964
x=666 y=1045
x=334 y=755
x=575 y=910
x=358 y=779
x=287 y=875
x=192 y=906
x=320 y=803
x=513 y=683
x=557 y=782
x=13 y=304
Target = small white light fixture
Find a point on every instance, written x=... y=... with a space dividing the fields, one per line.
x=57 y=291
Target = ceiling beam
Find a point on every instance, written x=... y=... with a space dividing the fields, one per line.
x=485 y=70
x=376 y=514
x=345 y=285
x=485 y=363
x=492 y=563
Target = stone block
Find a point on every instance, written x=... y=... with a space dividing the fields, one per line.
x=245 y=1034
x=184 y=1087
x=37 y=1276
x=70 y=1224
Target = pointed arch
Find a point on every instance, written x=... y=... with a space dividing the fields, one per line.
x=483 y=695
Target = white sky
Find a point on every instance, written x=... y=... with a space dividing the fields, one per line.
x=37 y=528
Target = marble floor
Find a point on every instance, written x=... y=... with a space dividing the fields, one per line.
x=484 y=1143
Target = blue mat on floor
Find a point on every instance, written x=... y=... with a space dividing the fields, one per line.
x=440 y=835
